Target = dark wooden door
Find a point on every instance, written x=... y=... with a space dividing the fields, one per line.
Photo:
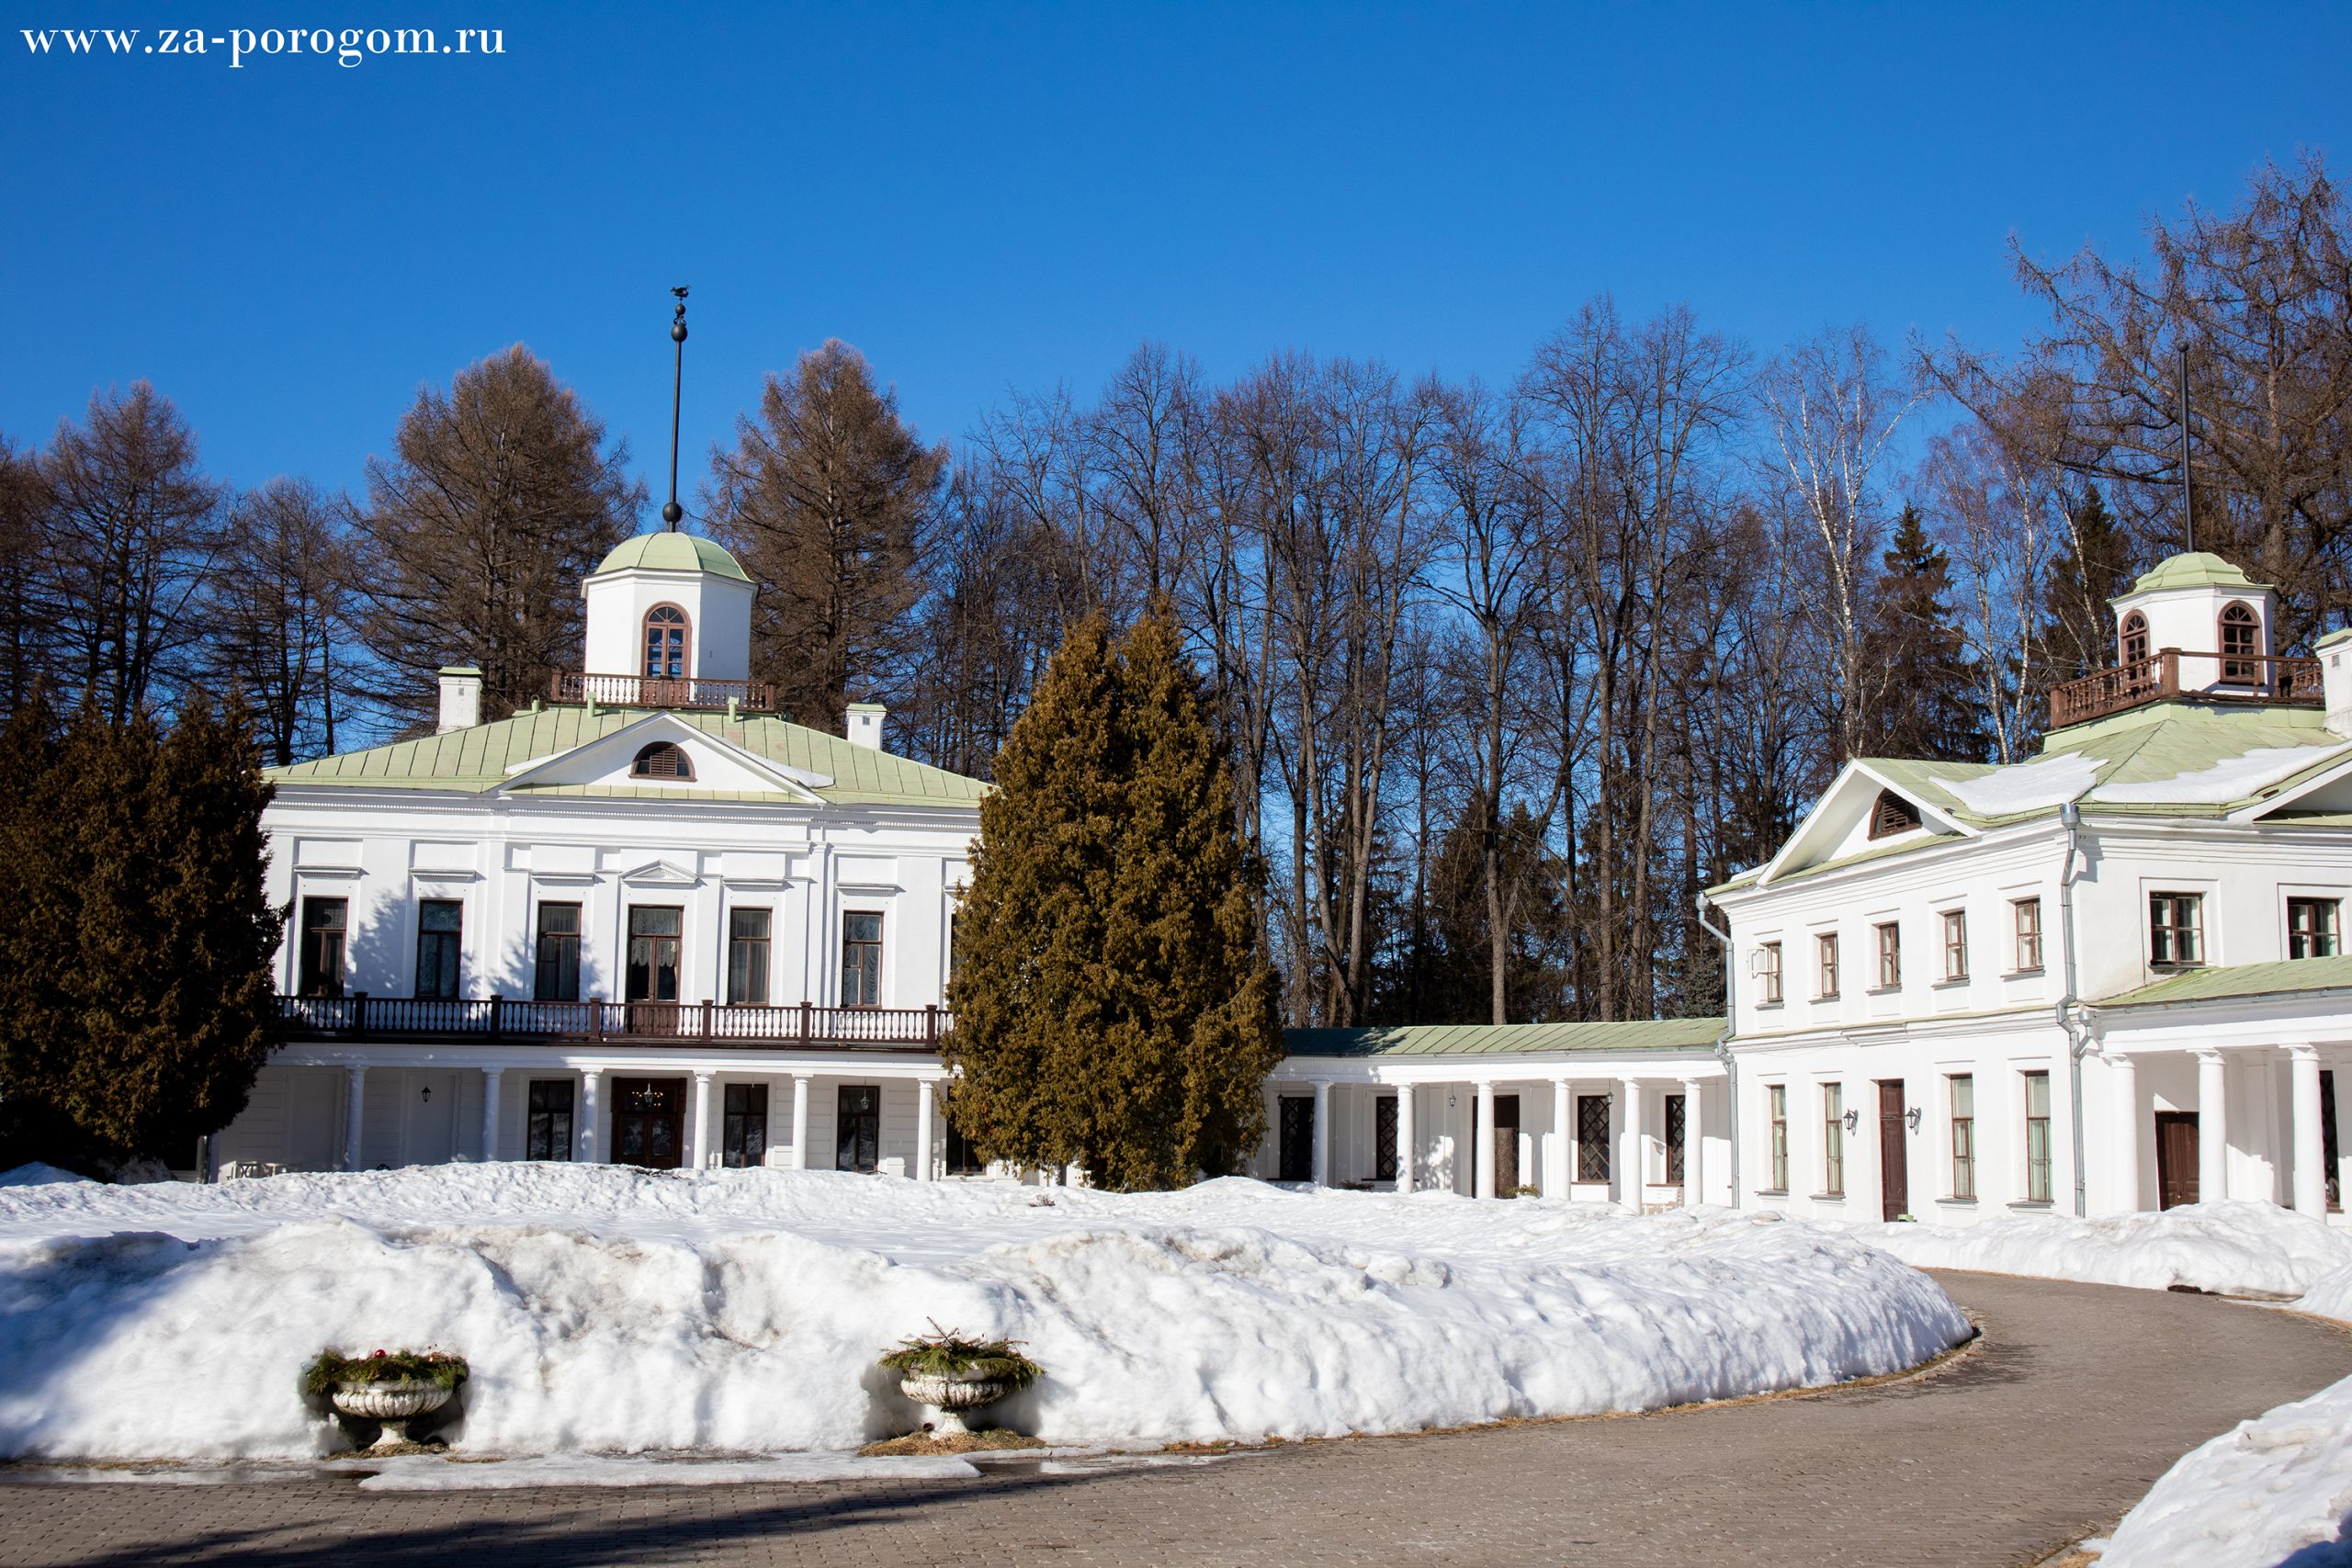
x=1893 y=1151
x=857 y=1127
x=2176 y=1159
x=650 y=1122
x=1299 y=1139
x=1505 y=1146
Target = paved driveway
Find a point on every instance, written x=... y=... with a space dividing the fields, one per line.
x=2081 y=1397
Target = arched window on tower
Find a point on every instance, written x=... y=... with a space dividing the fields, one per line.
x=2240 y=644
x=665 y=643
x=2135 y=638
x=662 y=761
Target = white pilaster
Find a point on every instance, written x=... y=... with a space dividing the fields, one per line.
x=2311 y=1179
x=589 y=1146
x=2123 y=1074
x=923 y=1132
x=1694 y=1144
x=1321 y=1169
x=490 y=1077
x=2212 y=1128
x=1482 y=1134
x=354 y=1111
x=1630 y=1169
x=1557 y=1180
x=703 y=1146
x=1407 y=1139
x=800 y=1120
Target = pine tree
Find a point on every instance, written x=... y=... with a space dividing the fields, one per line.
x=1919 y=656
x=2077 y=629
x=1111 y=1008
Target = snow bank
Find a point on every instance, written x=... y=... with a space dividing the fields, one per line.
x=607 y=1310
x=2234 y=1248
x=2276 y=1489
x=2024 y=786
x=38 y=1175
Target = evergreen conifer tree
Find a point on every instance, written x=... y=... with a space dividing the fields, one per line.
x=1929 y=708
x=1110 y=1006
x=2077 y=629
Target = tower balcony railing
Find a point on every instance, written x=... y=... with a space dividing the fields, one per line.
x=662 y=691
x=2216 y=677
x=502 y=1021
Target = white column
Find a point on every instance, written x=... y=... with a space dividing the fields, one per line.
x=1407 y=1140
x=490 y=1077
x=1694 y=1144
x=1482 y=1135
x=1556 y=1180
x=354 y=1110
x=1629 y=1138
x=583 y=1132
x=923 y=1129
x=700 y=1148
x=1322 y=1169
x=800 y=1120
x=2124 y=1075
x=2212 y=1129
x=2311 y=1179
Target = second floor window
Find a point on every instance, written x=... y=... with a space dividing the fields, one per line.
x=556 y=969
x=1833 y=1140
x=2176 y=928
x=665 y=643
x=861 y=961
x=747 y=956
x=319 y=971
x=1825 y=951
x=2026 y=915
x=1964 y=1134
x=440 y=923
x=1890 y=956
x=2311 y=928
x=1768 y=968
x=1955 y=944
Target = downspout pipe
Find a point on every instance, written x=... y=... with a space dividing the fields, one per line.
x=2078 y=1040
x=1723 y=1040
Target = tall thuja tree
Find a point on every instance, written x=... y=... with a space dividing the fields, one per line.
x=138 y=1002
x=1920 y=663
x=1112 y=1008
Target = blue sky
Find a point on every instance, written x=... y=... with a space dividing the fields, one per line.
x=986 y=196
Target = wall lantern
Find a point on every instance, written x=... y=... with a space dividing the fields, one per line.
x=427 y=1092
x=1853 y=1119
x=1912 y=1116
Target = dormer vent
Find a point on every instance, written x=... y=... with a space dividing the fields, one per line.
x=663 y=760
x=1892 y=815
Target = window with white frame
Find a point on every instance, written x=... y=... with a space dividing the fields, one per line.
x=1768 y=972
x=1833 y=1140
x=1960 y=1089
x=1825 y=961
x=1890 y=955
x=1777 y=1103
x=1955 y=924
x=2025 y=922
x=2176 y=928
x=2311 y=928
x=2037 y=1137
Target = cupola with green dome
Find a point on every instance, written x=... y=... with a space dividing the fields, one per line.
x=671 y=551
x=2215 y=617
x=669 y=606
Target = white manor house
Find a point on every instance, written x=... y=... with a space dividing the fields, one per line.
x=650 y=920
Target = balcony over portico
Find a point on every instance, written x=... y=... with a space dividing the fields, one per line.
x=702 y=1026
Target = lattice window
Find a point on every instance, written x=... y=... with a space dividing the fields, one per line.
x=662 y=761
x=1893 y=814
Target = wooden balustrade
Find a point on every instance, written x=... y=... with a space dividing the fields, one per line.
x=658 y=692
x=499 y=1019
x=2212 y=677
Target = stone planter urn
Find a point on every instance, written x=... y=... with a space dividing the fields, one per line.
x=956 y=1395
x=395 y=1403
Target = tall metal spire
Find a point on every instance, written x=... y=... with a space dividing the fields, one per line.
x=2188 y=488
x=671 y=510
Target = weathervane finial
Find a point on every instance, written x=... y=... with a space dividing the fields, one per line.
x=671 y=510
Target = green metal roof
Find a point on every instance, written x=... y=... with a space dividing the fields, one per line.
x=2194 y=568
x=2241 y=980
x=1694 y=1035
x=476 y=761
x=671 y=551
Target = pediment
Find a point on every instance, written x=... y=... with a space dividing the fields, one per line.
x=711 y=764
x=1859 y=811
x=660 y=874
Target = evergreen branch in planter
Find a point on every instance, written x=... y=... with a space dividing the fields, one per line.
x=331 y=1369
x=948 y=1352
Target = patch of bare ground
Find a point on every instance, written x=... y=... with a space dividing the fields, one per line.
x=994 y=1440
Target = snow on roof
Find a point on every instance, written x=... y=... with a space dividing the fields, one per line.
x=1506 y=1039
x=2230 y=779
x=2037 y=785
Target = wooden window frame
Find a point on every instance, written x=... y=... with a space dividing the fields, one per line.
x=1955 y=930
x=748 y=955
x=2025 y=933
x=1833 y=1143
x=2040 y=1166
x=2134 y=635
x=1891 y=814
x=663 y=760
x=677 y=634
x=1960 y=1104
x=743 y=1123
x=1825 y=966
x=555 y=952
x=2322 y=937
x=437 y=950
x=1593 y=1161
x=1771 y=974
x=544 y=1120
x=2238 y=624
x=1890 y=954
x=2173 y=943
x=1776 y=1111
x=852 y=950
x=322 y=951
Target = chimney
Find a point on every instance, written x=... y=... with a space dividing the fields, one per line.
x=865 y=724
x=460 y=698
x=2335 y=652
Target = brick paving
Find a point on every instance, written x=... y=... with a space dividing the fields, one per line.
x=2081 y=1395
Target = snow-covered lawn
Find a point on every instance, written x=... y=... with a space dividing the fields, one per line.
x=607 y=1310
